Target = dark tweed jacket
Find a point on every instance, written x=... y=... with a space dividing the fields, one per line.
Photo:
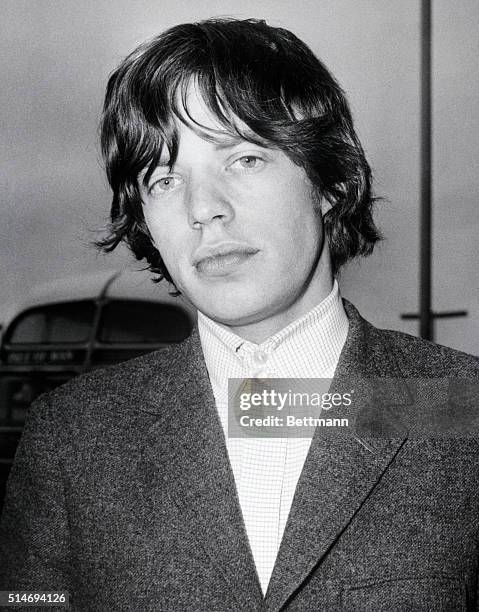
x=123 y=495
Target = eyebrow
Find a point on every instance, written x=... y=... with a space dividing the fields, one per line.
x=229 y=142
x=221 y=143
x=232 y=140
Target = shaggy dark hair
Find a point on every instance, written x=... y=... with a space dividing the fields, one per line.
x=244 y=69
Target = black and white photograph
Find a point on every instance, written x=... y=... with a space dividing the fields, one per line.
x=239 y=305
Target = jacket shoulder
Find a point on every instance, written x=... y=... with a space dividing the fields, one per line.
x=416 y=356
x=109 y=390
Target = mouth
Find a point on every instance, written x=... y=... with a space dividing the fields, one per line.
x=224 y=261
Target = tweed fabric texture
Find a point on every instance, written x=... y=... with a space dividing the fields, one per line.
x=122 y=494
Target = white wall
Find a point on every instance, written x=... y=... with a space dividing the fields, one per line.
x=55 y=56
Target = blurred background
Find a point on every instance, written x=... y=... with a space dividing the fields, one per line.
x=55 y=58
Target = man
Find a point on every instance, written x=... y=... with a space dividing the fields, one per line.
x=236 y=173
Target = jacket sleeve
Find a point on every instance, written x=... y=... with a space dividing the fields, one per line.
x=34 y=536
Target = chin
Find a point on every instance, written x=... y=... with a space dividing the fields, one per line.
x=234 y=313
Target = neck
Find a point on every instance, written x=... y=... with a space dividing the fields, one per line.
x=317 y=289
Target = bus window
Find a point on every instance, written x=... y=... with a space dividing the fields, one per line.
x=64 y=323
x=134 y=321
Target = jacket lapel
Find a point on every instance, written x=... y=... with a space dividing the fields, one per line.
x=342 y=469
x=187 y=445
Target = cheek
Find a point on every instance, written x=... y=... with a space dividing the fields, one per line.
x=299 y=222
x=164 y=233
x=153 y=224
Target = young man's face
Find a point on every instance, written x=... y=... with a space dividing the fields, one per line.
x=238 y=228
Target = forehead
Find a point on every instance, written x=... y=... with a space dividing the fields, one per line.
x=195 y=114
x=193 y=109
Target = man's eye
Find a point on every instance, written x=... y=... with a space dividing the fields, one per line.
x=248 y=162
x=167 y=183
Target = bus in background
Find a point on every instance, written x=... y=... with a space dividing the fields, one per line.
x=68 y=327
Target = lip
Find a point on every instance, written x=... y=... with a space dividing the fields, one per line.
x=222 y=258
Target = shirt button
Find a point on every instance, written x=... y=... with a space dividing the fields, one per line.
x=260 y=357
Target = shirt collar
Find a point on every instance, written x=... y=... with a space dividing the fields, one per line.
x=324 y=327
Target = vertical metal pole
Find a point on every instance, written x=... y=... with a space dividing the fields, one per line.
x=426 y=321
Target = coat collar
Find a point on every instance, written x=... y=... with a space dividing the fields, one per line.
x=187 y=444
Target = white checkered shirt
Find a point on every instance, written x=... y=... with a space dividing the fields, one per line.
x=267 y=470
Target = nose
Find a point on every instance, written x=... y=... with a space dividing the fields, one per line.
x=207 y=202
